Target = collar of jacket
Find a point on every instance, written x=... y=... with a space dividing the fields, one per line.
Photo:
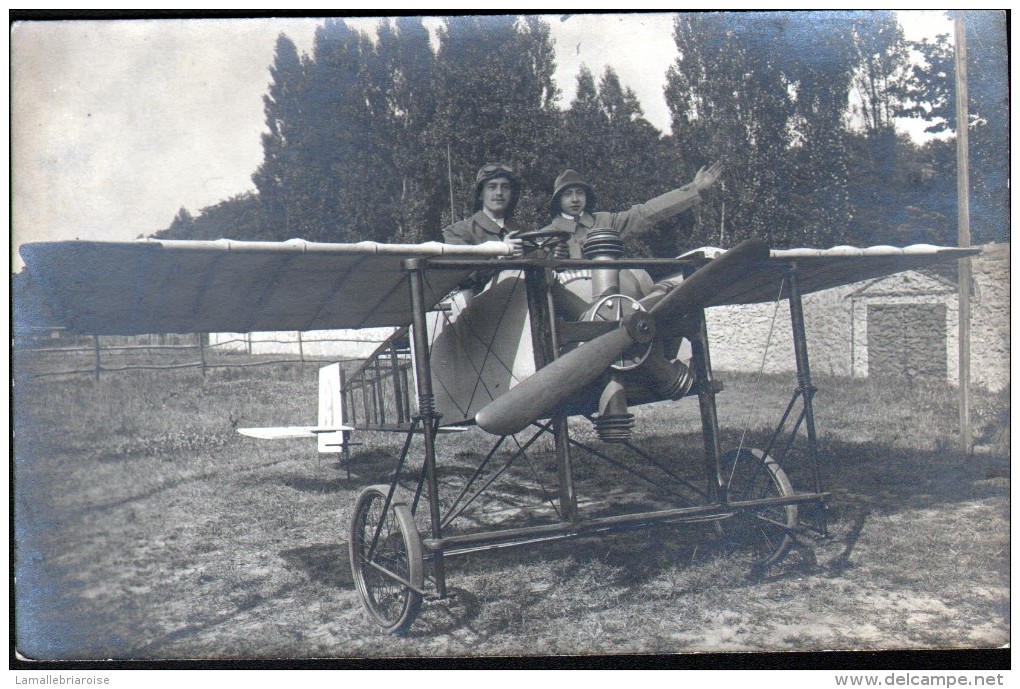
x=489 y=226
x=587 y=221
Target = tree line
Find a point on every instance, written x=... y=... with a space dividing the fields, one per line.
x=379 y=138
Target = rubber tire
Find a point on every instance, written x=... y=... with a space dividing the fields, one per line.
x=758 y=476
x=391 y=605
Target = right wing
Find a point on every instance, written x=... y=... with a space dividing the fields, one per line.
x=155 y=286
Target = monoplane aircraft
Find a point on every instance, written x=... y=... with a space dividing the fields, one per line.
x=513 y=346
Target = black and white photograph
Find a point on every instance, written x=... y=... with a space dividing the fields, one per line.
x=680 y=338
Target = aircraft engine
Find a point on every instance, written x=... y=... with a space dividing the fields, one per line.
x=537 y=396
x=644 y=364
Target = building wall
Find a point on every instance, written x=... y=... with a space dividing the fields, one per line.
x=759 y=336
x=989 y=330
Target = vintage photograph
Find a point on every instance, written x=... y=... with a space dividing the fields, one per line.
x=647 y=335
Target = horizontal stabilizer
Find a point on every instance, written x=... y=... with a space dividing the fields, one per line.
x=280 y=432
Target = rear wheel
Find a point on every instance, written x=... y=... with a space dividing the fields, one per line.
x=762 y=534
x=386 y=559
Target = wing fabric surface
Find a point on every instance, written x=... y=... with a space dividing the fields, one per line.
x=820 y=269
x=154 y=286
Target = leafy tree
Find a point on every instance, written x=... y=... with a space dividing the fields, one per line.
x=883 y=64
x=631 y=163
x=932 y=87
x=799 y=106
x=879 y=160
x=345 y=149
x=901 y=193
x=358 y=133
x=183 y=223
x=495 y=102
x=403 y=76
x=233 y=218
x=819 y=205
x=768 y=93
x=730 y=101
x=607 y=138
x=537 y=129
x=584 y=128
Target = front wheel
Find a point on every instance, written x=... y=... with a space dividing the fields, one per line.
x=386 y=559
x=763 y=534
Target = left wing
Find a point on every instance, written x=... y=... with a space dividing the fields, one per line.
x=819 y=269
x=157 y=286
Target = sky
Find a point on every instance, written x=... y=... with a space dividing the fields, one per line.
x=116 y=125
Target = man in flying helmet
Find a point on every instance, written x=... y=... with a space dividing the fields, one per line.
x=496 y=192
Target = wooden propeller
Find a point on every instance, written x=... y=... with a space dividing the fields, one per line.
x=538 y=395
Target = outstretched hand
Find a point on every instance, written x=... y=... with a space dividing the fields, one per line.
x=707 y=177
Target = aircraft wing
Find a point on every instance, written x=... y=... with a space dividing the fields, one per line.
x=158 y=286
x=819 y=269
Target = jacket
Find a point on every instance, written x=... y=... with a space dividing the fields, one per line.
x=478 y=229
x=637 y=219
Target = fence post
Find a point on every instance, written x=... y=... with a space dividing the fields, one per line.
x=300 y=347
x=95 y=346
x=201 y=350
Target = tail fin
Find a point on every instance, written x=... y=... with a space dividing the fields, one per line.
x=331 y=409
x=333 y=435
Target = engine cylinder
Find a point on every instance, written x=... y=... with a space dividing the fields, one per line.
x=603 y=244
x=614 y=428
x=614 y=422
x=669 y=380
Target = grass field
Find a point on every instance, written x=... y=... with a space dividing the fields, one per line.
x=147 y=528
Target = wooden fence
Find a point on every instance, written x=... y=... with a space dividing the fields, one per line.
x=57 y=353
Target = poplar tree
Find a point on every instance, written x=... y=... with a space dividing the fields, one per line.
x=403 y=79
x=619 y=152
x=276 y=178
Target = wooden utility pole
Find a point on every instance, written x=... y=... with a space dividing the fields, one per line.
x=963 y=232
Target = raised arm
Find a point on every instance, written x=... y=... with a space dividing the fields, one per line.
x=643 y=215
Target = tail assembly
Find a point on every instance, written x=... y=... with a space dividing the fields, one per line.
x=331 y=432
